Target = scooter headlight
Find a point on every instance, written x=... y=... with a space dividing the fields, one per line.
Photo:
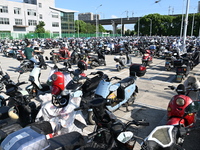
x=180 y=102
x=54 y=77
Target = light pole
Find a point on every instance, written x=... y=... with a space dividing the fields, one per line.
x=185 y=27
x=193 y=23
x=150 y=26
x=97 y=28
x=181 y=32
x=121 y=20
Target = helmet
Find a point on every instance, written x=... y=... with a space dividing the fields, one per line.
x=82 y=65
x=60 y=101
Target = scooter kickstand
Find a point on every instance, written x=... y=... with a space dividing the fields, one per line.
x=126 y=105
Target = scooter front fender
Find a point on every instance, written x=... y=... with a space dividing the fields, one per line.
x=176 y=121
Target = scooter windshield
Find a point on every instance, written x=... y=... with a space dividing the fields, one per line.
x=162 y=135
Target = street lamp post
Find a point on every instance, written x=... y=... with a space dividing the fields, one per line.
x=97 y=28
x=121 y=20
x=185 y=28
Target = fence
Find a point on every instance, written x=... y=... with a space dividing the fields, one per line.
x=50 y=35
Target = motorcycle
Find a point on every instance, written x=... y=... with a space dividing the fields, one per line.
x=124 y=91
x=171 y=136
x=97 y=61
x=147 y=58
x=122 y=62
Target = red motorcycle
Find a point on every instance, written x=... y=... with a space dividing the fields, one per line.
x=147 y=57
x=62 y=54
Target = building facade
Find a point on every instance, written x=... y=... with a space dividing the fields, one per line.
x=88 y=16
x=17 y=17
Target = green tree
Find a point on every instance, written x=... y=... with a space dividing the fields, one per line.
x=40 y=27
x=83 y=27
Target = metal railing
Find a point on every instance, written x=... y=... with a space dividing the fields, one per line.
x=50 y=35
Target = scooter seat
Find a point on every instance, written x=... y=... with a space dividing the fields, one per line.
x=126 y=82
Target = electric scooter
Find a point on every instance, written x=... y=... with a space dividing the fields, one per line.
x=97 y=61
x=178 y=104
x=147 y=58
x=172 y=135
x=123 y=62
x=124 y=91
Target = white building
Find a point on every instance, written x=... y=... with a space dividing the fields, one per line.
x=22 y=17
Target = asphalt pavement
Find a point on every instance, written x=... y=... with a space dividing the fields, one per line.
x=151 y=101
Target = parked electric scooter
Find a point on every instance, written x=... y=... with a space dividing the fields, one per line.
x=36 y=87
x=97 y=61
x=178 y=104
x=182 y=69
x=171 y=136
x=124 y=91
x=147 y=58
x=61 y=55
x=123 y=62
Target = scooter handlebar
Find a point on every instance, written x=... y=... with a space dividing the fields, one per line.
x=20 y=83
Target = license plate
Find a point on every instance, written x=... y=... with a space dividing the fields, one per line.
x=179 y=78
x=89 y=62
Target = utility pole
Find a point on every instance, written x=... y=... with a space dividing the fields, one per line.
x=185 y=27
x=97 y=26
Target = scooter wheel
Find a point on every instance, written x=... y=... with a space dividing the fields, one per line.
x=119 y=68
x=91 y=118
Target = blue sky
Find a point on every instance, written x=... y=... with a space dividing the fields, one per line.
x=119 y=8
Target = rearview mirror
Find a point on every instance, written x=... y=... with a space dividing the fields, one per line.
x=125 y=136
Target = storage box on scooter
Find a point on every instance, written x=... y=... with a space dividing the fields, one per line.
x=137 y=69
x=27 y=138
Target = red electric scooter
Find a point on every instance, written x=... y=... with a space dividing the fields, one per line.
x=61 y=55
x=147 y=58
x=178 y=104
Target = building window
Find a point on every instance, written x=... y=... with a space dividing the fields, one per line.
x=40 y=16
x=55 y=24
x=31 y=12
x=32 y=22
x=40 y=5
x=4 y=21
x=3 y=9
x=18 y=21
x=17 y=10
x=54 y=15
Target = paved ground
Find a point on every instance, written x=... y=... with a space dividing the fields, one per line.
x=151 y=101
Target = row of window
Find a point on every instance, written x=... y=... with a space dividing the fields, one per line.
x=30 y=22
x=30 y=12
